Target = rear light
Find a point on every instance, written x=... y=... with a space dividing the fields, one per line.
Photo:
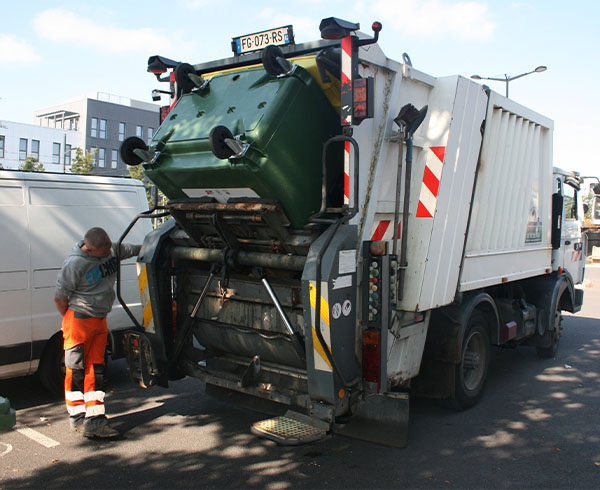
x=164 y=112
x=135 y=342
x=174 y=316
x=371 y=358
x=363 y=98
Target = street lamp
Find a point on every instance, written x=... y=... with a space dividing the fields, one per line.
x=507 y=78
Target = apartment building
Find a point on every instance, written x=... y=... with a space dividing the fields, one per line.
x=51 y=146
x=103 y=121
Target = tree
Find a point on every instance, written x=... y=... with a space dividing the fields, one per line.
x=137 y=172
x=84 y=162
x=31 y=164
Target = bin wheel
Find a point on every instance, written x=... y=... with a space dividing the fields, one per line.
x=127 y=150
x=217 y=138
x=184 y=83
x=270 y=62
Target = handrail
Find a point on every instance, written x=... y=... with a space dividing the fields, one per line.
x=351 y=212
x=144 y=214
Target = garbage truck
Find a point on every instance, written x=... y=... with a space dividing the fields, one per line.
x=346 y=232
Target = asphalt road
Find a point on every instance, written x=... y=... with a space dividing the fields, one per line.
x=538 y=426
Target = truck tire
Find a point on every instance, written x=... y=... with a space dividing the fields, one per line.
x=51 y=370
x=471 y=372
x=552 y=337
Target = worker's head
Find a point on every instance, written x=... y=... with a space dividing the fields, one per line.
x=96 y=242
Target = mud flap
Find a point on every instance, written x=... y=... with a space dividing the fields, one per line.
x=291 y=429
x=382 y=419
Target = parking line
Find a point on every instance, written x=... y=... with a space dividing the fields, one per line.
x=34 y=435
x=7 y=450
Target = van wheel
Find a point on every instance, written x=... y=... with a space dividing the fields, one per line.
x=471 y=372
x=52 y=366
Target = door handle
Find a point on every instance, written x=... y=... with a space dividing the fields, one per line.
x=568 y=242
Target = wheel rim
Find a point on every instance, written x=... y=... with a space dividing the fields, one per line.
x=473 y=361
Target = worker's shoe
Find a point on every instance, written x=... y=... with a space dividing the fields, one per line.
x=103 y=432
x=76 y=423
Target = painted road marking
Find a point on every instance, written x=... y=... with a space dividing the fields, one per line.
x=7 y=450
x=34 y=435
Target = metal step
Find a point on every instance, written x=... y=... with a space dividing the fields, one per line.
x=291 y=429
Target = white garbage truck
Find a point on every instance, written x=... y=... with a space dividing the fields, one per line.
x=347 y=231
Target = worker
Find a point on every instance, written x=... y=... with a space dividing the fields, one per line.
x=84 y=296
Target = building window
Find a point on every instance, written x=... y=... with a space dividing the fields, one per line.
x=56 y=153
x=138 y=131
x=121 y=131
x=22 y=149
x=67 y=154
x=101 y=157
x=35 y=149
x=94 y=128
x=1 y=146
x=114 y=159
x=150 y=133
x=103 y=129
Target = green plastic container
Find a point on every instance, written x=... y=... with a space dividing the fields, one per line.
x=284 y=120
x=8 y=417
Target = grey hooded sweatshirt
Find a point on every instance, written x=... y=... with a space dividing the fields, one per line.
x=87 y=283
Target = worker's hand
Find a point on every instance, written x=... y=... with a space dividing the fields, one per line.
x=61 y=306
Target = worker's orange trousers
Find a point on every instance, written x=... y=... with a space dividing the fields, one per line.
x=85 y=343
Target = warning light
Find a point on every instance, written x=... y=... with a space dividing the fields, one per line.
x=377 y=248
x=341 y=393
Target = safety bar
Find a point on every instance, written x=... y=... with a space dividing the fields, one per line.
x=143 y=215
x=350 y=211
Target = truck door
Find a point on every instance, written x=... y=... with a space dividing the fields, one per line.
x=572 y=237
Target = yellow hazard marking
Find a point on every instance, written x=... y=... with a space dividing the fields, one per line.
x=324 y=304
x=143 y=280
x=318 y=348
x=145 y=297
x=147 y=314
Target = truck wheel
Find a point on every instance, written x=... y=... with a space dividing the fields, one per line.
x=552 y=337
x=52 y=366
x=471 y=372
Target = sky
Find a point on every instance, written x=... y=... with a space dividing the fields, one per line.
x=52 y=51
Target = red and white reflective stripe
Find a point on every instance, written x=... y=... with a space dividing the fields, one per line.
x=346 y=173
x=431 y=182
x=383 y=230
x=346 y=96
x=576 y=256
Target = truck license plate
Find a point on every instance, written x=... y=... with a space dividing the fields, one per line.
x=280 y=36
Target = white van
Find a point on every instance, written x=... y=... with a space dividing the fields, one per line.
x=42 y=216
